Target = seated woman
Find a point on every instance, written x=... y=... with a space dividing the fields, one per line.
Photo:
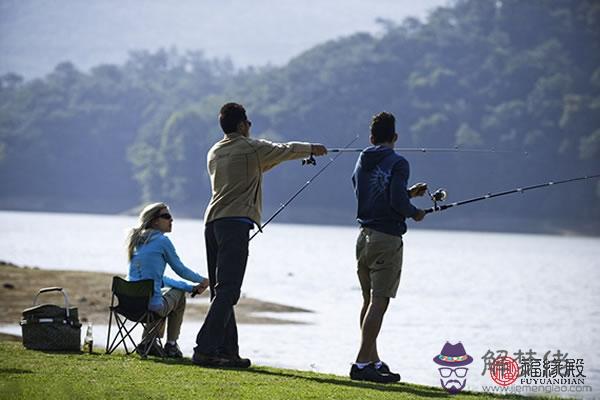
x=148 y=251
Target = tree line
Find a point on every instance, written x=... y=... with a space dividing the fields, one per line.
x=509 y=75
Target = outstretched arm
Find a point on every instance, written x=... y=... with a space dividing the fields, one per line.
x=270 y=154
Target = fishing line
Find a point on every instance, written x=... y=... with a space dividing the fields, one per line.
x=309 y=160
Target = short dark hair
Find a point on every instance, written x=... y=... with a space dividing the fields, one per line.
x=383 y=127
x=230 y=116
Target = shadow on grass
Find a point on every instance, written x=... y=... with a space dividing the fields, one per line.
x=399 y=387
x=414 y=389
x=396 y=387
x=59 y=352
x=17 y=371
x=422 y=391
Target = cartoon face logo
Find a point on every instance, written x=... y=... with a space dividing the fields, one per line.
x=453 y=373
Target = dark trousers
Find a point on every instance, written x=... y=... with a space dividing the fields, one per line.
x=227 y=254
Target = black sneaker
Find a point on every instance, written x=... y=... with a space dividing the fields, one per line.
x=384 y=368
x=236 y=360
x=208 y=360
x=155 y=349
x=219 y=361
x=172 y=351
x=369 y=373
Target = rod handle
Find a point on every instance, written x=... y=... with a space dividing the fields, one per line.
x=437 y=208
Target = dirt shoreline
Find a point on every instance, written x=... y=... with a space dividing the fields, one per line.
x=90 y=293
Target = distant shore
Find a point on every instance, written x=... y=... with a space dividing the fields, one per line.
x=299 y=215
x=90 y=293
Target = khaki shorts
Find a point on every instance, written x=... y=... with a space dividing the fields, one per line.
x=379 y=259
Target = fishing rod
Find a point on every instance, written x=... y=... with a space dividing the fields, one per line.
x=304 y=186
x=429 y=150
x=441 y=194
x=311 y=160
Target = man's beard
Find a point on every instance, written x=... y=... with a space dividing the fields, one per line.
x=453 y=386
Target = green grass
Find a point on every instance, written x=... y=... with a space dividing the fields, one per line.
x=27 y=374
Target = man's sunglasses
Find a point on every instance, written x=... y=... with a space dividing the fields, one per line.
x=165 y=216
x=249 y=122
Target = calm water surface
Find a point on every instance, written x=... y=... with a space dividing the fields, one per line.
x=488 y=290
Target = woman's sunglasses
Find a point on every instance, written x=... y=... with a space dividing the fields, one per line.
x=165 y=216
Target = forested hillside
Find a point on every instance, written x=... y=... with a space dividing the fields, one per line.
x=511 y=75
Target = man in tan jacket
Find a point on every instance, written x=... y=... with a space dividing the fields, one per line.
x=235 y=165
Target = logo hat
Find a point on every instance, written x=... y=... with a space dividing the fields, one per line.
x=453 y=355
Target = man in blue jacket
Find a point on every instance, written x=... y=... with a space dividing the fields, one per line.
x=380 y=182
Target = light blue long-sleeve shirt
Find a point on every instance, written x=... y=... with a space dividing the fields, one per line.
x=149 y=262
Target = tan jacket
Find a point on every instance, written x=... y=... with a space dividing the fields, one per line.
x=235 y=166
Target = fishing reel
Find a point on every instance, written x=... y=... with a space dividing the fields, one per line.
x=309 y=161
x=437 y=196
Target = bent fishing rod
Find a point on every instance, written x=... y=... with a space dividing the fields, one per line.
x=441 y=194
x=304 y=186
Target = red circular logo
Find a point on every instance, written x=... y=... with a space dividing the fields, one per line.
x=504 y=371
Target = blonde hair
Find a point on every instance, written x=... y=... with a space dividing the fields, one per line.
x=141 y=233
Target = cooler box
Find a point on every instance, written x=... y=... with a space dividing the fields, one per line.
x=51 y=327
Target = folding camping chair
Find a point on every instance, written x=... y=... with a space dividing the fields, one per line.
x=132 y=309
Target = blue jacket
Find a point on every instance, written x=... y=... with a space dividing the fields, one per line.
x=380 y=179
x=149 y=262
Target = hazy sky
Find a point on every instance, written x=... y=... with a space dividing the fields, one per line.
x=35 y=35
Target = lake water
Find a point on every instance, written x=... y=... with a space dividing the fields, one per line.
x=489 y=290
